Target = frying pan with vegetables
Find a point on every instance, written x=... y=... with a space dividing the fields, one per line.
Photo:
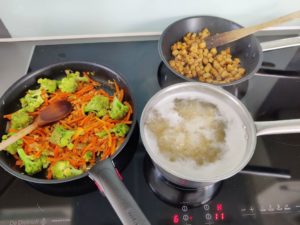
x=247 y=49
x=103 y=172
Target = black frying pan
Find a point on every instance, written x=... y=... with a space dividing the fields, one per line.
x=103 y=173
x=248 y=49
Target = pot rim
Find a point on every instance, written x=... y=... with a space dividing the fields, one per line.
x=251 y=136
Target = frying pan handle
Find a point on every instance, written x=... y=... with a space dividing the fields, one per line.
x=103 y=173
x=281 y=43
x=278 y=127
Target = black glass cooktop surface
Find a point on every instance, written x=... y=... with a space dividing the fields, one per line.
x=263 y=194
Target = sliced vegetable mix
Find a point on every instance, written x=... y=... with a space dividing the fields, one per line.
x=95 y=128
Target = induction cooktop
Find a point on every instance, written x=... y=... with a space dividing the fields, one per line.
x=266 y=192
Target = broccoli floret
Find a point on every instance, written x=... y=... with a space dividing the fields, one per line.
x=120 y=129
x=44 y=158
x=47 y=84
x=76 y=76
x=62 y=137
x=45 y=162
x=101 y=134
x=69 y=84
x=88 y=156
x=99 y=104
x=63 y=169
x=32 y=100
x=118 y=109
x=20 y=119
x=12 y=149
x=31 y=164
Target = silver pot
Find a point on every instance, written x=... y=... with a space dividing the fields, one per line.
x=239 y=112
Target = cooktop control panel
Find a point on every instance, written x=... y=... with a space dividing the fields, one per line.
x=223 y=213
x=210 y=214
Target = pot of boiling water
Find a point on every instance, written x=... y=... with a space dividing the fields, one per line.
x=199 y=134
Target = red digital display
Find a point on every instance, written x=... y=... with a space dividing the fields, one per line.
x=176 y=219
x=216 y=216
x=219 y=207
x=219 y=215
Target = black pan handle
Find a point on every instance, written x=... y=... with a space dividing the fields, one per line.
x=104 y=174
x=292 y=74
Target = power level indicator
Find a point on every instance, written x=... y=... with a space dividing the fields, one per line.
x=175 y=218
x=219 y=207
x=219 y=214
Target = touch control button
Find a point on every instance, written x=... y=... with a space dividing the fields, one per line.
x=185 y=217
x=206 y=207
x=208 y=216
x=184 y=208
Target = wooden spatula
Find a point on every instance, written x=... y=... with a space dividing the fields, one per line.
x=49 y=114
x=230 y=36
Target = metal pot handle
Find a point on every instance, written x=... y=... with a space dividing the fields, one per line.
x=105 y=177
x=281 y=43
x=266 y=172
x=278 y=127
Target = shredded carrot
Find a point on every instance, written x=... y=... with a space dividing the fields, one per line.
x=129 y=113
x=121 y=95
x=117 y=89
x=86 y=127
x=49 y=174
x=8 y=116
x=10 y=130
x=109 y=135
x=84 y=90
x=45 y=97
x=113 y=146
x=19 y=163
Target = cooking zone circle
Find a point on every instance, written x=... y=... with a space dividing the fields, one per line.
x=174 y=194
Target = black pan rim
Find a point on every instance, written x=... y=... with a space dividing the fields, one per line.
x=38 y=72
x=247 y=77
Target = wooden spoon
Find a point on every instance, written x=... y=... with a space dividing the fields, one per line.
x=230 y=36
x=49 y=114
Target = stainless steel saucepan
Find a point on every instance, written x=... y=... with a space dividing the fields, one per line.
x=250 y=130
